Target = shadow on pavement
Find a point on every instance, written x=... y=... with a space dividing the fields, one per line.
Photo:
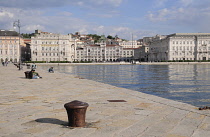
x=52 y=121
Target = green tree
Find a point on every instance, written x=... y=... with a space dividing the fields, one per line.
x=110 y=37
x=95 y=37
x=26 y=35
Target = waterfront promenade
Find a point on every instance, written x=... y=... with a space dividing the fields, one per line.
x=35 y=108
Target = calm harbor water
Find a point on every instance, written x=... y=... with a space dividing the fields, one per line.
x=185 y=83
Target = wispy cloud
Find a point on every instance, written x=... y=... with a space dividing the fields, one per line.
x=110 y=17
x=160 y=3
x=55 y=3
x=185 y=12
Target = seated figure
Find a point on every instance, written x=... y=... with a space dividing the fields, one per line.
x=34 y=75
x=51 y=70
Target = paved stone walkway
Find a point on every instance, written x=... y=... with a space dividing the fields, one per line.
x=35 y=108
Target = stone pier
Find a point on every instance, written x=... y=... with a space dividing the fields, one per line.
x=35 y=108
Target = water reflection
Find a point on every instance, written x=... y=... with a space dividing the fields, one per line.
x=186 y=83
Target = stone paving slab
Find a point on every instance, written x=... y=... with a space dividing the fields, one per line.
x=35 y=108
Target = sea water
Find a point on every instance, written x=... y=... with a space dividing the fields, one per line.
x=186 y=83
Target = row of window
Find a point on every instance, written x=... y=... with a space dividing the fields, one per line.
x=111 y=59
x=191 y=42
x=97 y=57
x=183 y=42
x=182 y=53
x=6 y=46
x=51 y=54
x=97 y=49
x=51 y=59
x=183 y=59
x=188 y=59
x=189 y=48
x=183 y=48
x=6 y=52
x=128 y=43
x=51 y=48
x=5 y=41
x=51 y=42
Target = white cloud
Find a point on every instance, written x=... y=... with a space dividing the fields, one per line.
x=101 y=27
x=110 y=2
x=108 y=14
x=160 y=3
x=31 y=28
x=4 y=14
x=161 y=15
x=64 y=13
x=60 y=22
x=188 y=14
x=186 y=2
x=55 y=3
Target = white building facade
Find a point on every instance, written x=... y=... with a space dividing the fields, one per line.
x=180 y=46
x=128 y=54
x=10 y=46
x=104 y=50
x=130 y=44
x=52 y=47
x=141 y=54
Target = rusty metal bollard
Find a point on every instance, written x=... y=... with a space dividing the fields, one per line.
x=76 y=113
x=27 y=74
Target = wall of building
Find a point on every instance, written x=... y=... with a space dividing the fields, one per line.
x=52 y=47
x=180 y=46
x=10 y=46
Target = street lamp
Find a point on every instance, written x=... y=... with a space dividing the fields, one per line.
x=17 y=24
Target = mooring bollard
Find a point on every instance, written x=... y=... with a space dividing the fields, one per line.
x=27 y=74
x=76 y=113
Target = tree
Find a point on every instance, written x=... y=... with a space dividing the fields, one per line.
x=95 y=37
x=110 y=37
x=26 y=35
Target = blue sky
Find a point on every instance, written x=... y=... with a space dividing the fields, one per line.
x=141 y=18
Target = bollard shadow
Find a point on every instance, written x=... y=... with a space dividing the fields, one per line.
x=52 y=121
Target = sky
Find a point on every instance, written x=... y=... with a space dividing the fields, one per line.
x=128 y=19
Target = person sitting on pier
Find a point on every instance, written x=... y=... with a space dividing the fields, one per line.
x=51 y=70
x=34 y=75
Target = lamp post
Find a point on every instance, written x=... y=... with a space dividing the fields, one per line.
x=17 y=24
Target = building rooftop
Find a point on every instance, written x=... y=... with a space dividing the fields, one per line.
x=189 y=34
x=8 y=33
